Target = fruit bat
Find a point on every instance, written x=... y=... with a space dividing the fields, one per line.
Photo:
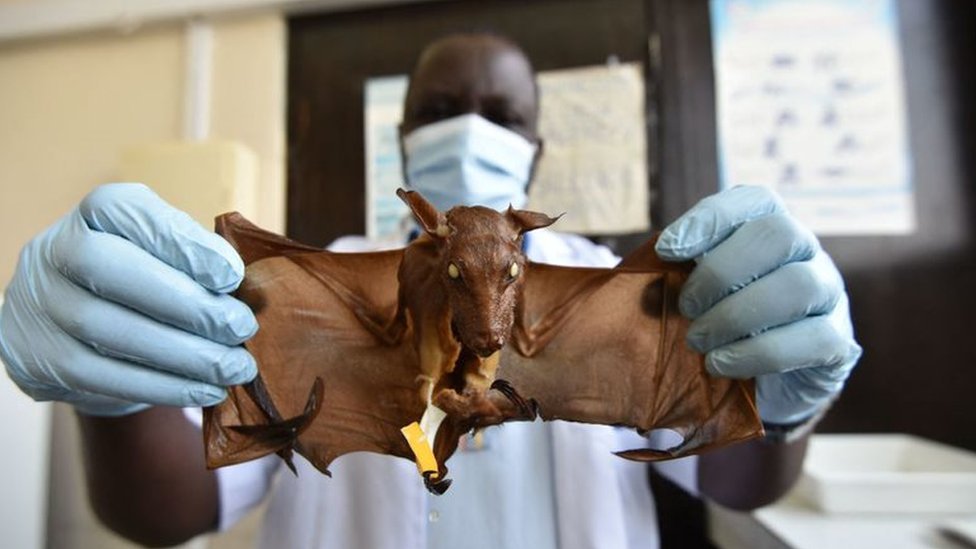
x=402 y=352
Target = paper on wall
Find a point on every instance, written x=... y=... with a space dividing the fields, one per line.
x=810 y=102
x=594 y=165
x=383 y=100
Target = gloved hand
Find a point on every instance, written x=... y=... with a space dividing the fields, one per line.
x=123 y=304
x=766 y=301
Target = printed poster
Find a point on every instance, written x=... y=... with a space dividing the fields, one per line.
x=810 y=102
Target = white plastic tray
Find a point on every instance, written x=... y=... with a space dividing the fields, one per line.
x=888 y=474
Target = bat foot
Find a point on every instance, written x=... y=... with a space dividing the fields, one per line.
x=475 y=409
x=436 y=487
x=470 y=407
x=527 y=409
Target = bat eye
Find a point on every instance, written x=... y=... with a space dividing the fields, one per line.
x=452 y=271
x=514 y=270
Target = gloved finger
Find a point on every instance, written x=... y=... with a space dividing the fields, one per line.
x=118 y=270
x=814 y=342
x=757 y=248
x=110 y=377
x=119 y=332
x=137 y=214
x=713 y=219
x=790 y=293
x=47 y=368
x=99 y=405
x=797 y=395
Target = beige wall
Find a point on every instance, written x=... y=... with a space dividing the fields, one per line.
x=68 y=106
x=249 y=103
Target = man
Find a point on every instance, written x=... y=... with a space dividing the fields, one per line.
x=123 y=305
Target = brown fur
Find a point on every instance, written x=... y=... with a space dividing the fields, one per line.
x=460 y=323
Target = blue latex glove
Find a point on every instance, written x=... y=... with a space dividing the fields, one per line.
x=766 y=301
x=123 y=304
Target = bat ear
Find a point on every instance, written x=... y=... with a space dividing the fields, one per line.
x=425 y=213
x=525 y=220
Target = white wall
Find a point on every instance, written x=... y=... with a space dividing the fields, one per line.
x=23 y=466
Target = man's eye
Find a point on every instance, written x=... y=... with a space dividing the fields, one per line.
x=504 y=119
x=502 y=113
x=435 y=111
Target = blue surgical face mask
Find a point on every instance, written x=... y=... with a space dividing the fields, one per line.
x=468 y=161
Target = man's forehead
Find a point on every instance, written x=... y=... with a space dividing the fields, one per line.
x=483 y=62
x=476 y=48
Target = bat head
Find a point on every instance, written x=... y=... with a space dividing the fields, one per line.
x=480 y=264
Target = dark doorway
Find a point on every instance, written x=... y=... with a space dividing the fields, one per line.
x=332 y=55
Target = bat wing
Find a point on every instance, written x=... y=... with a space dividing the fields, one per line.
x=607 y=346
x=336 y=371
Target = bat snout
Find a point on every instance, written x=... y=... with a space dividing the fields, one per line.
x=484 y=344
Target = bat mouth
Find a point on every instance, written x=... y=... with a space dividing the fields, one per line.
x=484 y=346
x=486 y=352
x=456 y=333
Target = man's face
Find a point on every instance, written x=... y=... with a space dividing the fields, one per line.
x=477 y=74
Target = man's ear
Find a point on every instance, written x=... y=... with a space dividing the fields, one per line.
x=403 y=156
x=524 y=220
x=432 y=221
x=540 y=147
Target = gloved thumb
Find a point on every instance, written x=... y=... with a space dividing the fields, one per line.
x=713 y=220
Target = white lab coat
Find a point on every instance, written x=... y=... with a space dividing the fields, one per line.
x=537 y=484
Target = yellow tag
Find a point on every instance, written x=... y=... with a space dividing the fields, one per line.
x=426 y=462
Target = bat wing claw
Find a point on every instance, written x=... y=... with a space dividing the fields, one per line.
x=286 y=455
x=646 y=454
x=691 y=444
x=283 y=435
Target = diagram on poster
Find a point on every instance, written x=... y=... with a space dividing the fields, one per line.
x=810 y=102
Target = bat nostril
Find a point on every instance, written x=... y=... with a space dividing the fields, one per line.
x=485 y=343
